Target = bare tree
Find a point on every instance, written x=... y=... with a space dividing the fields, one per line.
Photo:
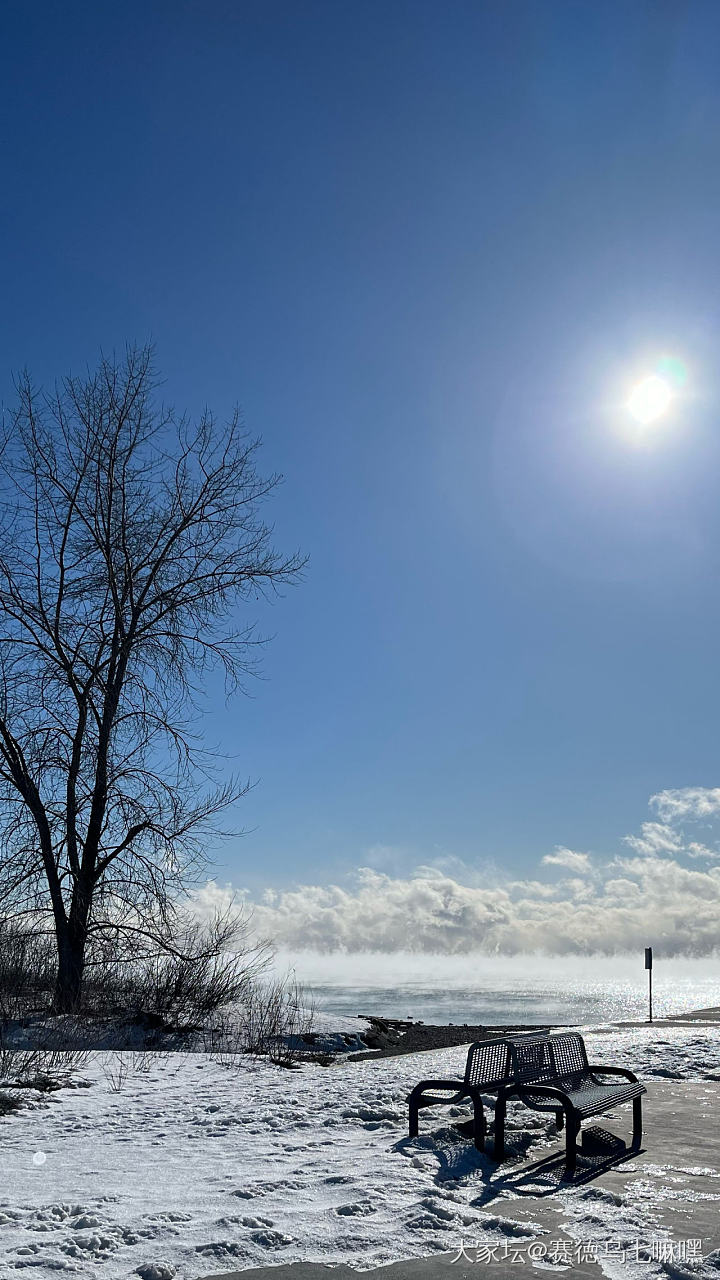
x=128 y=537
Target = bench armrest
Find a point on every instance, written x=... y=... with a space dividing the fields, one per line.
x=614 y=1071
x=452 y=1086
x=544 y=1090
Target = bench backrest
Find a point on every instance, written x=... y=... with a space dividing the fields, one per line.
x=488 y=1064
x=537 y=1057
x=569 y=1054
x=531 y=1058
x=542 y=1058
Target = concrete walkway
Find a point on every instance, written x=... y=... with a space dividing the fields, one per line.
x=696 y=1015
x=440 y=1267
x=672 y=1184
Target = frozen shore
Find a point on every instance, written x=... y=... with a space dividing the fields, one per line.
x=189 y=1169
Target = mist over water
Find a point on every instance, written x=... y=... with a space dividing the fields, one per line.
x=499 y=990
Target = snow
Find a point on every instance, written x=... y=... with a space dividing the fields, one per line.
x=337 y=1022
x=190 y=1168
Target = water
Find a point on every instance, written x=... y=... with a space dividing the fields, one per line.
x=493 y=990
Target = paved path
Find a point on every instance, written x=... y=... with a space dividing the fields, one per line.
x=441 y=1267
x=696 y=1015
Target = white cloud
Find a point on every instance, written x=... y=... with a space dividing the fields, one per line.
x=621 y=891
x=648 y=895
x=652 y=899
x=656 y=837
x=681 y=803
x=210 y=898
x=533 y=889
x=695 y=850
x=379 y=912
x=567 y=858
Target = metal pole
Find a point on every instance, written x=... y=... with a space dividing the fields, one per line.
x=649 y=967
x=650 y=991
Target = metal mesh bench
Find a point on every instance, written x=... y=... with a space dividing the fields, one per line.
x=546 y=1072
x=486 y=1070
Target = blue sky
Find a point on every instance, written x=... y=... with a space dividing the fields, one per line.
x=428 y=248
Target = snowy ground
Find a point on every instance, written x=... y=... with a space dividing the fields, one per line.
x=189 y=1169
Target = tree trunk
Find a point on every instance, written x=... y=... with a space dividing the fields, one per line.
x=71 y=964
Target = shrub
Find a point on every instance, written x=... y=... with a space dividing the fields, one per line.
x=27 y=970
x=274 y=1020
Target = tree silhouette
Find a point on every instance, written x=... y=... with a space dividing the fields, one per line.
x=129 y=537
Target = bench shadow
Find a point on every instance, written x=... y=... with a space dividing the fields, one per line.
x=537 y=1179
x=546 y=1177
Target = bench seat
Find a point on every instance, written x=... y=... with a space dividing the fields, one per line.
x=588 y=1098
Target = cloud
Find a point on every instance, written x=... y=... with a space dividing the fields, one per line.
x=534 y=888
x=375 y=911
x=686 y=803
x=211 y=898
x=656 y=837
x=637 y=900
x=568 y=858
x=695 y=850
x=657 y=892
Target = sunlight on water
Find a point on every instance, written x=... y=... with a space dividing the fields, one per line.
x=496 y=990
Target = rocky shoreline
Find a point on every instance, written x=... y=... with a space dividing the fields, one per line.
x=388 y=1037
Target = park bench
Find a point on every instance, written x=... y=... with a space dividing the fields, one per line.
x=546 y=1072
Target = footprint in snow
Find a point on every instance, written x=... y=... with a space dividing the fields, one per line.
x=598 y=1193
x=370 y=1114
x=508 y=1227
x=231 y=1248
x=271 y=1239
x=169 y=1217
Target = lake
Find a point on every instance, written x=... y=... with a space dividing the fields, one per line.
x=496 y=990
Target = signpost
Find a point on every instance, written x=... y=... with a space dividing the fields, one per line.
x=648 y=966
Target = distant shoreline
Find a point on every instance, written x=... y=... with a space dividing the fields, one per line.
x=391 y=1037
x=696 y=1015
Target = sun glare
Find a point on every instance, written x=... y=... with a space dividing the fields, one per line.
x=650 y=399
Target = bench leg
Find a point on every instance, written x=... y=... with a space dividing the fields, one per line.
x=415 y=1103
x=413 y=1110
x=479 y=1122
x=637 y=1122
x=559 y=1118
x=572 y=1128
x=499 y=1144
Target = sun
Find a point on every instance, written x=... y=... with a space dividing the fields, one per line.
x=650 y=399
